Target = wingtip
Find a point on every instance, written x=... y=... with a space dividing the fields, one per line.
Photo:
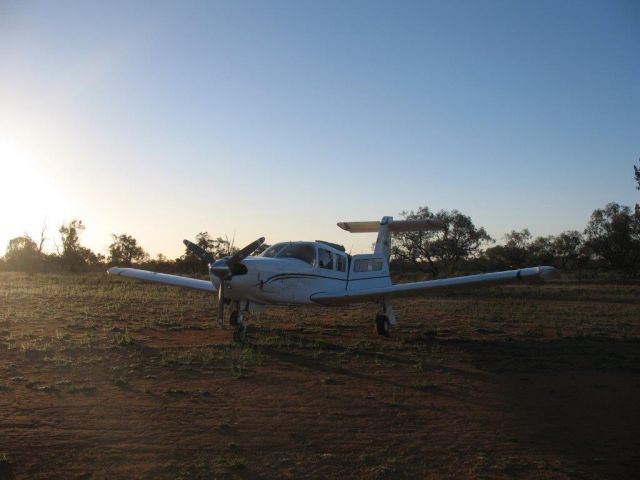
x=549 y=273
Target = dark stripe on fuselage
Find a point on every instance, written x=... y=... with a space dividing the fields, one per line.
x=285 y=276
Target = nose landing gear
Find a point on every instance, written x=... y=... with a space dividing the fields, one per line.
x=236 y=319
x=240 y=333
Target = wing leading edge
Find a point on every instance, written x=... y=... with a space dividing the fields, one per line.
x=525 y=275
x=165 y=278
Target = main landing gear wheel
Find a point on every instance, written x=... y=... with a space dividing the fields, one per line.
x=382 y=325
x=240 y=333
x=233 y=319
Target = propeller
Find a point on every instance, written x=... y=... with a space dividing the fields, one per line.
x=223 y=268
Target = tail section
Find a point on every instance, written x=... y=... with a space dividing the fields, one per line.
x=385 y=227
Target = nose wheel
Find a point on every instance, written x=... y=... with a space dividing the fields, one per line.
x=240 y=333
x=382 y=325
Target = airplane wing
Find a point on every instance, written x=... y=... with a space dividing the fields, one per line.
x=167 y=279
x=524 y=275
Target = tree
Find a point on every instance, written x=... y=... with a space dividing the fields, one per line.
x=125 y=250
x=568 y=249
x=636 y=171
x=415 y=247
x=218 y=247
x=541 y=251
x=75 y=257
x=517 y=245
x=613 y=234
x=458 y=240
x=23 y=255
x=514 y=253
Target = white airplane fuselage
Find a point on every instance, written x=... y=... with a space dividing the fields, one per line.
x=280 y=279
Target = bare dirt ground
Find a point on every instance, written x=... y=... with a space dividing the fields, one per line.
x=107 y=378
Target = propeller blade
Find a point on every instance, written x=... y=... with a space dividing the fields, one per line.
x=246 y=251
x=199 y=252
x=220 y=307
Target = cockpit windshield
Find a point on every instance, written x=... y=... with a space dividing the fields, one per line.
x=273 y=250
x=300 y=251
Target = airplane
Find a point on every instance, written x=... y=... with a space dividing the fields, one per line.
x=320 y=273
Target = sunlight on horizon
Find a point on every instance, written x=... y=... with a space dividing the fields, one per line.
x=29 y=199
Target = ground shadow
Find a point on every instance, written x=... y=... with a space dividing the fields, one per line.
x=577 y=398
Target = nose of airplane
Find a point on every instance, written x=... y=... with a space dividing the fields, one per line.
x=248 y=277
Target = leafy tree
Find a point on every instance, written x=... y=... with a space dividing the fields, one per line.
x=514 y=253
x=518 y=240
x=23 y=255
x=458 y=240
x=124 y=250
x=75 y=257
x=613 y=234
x=569 y=251
x=541 y=251
x=218 y=247
x=636 y=171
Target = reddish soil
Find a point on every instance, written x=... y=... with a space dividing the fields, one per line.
x=103 y=378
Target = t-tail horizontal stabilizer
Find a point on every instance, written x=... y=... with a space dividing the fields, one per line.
x=386 y=226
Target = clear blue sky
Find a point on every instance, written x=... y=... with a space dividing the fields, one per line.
x=163 y=119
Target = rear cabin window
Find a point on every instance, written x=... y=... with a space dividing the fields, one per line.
x=341 y=263
x=300 y=251
x=325 y=259
x=368 y=265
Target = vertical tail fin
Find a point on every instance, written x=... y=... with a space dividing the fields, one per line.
x=385 y=227
x=383 y=242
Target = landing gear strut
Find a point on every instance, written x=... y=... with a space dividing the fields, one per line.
x=240 y=333
x=237 y=320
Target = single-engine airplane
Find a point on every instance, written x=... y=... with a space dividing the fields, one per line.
x=320 y=273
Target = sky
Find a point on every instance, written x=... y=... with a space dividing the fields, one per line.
x=281 y=118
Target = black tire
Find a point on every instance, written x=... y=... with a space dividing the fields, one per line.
x=240 y=334
x=233 y=318
x=382 y=325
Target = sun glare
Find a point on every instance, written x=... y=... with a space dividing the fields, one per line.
x=28 y=198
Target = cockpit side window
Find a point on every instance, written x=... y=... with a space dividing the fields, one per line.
x=273 y=250
x=341 y=263
x=300 y=251
x=325 y=259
